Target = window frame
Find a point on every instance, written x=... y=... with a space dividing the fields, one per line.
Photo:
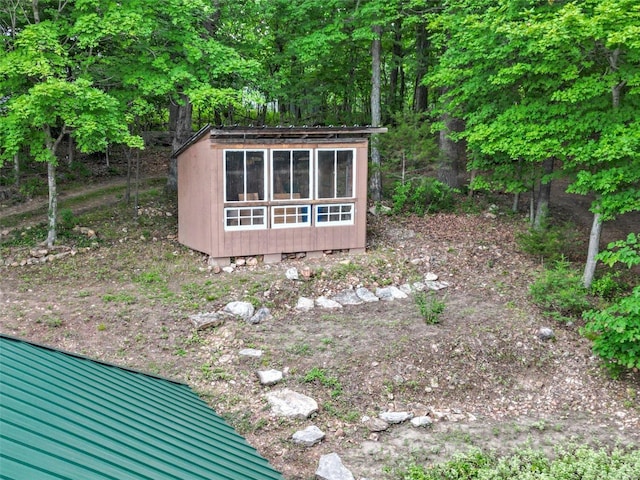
x=335 y=173
x=334 y=223
x=264 y=174
x=311 y=152
x=252 y=226
x=284 y=207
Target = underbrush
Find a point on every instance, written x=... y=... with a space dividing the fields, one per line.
x=570 y=463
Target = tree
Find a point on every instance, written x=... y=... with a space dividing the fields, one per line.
x=45 y=103
x=536 y=82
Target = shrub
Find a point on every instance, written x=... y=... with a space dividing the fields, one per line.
x=570 y=463
x=548 y=243
x=423 y=195
x=615 y=330
x=430 y=307
x=559 y=292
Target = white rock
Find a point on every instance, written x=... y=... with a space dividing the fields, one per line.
x=305 y=304
x=366 y=295
x=287 y=403
x=347 y=297
x=405 y=288
x=397 y=293
x=327 y=303
x=240 y=309
x=309 y=436
x=418 y=286
x=330 y=467
x=292 y=273
x=384 y=293
x=396 y=417
x=423 y=421
x=430 y=277
x=250 y=352
x=436 y=285
x=269 y=377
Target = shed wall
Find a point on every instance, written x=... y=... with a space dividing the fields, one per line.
x=202 y=203
x=195 y=195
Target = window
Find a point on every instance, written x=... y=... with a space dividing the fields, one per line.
x=244 y=174
x=336 y=214
x=290 y=216
x=335 y=174
x=245 y=218
x=291 y=174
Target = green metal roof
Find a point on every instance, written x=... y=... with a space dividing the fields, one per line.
x=64 y=416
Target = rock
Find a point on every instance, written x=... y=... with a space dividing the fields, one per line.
x=229 y=269
x=250 y=352
x=545 y=333
x=384 y=294
x=430 y=277
x=422 y=421
x=261 y=315
x=269 y=377
x=290 y=404
x=376 y=424
x=292 y=274
x=208 y=320
x=240 y=309
x=306 y=272
x=241 y=262
x=305 y=304
x=436 y=285
x=330 y=467
x=406 y=289
x=379 y=209
x=309 y=436
x=366 y=295
x=252 y=261
x=327 y=303
x=347 y=297
x=418 y=286
x=396 y=417
x=390 y=293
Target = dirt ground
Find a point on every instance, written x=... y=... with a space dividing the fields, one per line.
x=127 y=298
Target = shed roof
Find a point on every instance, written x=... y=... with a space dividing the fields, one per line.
x=280 y=134
x=65 y=416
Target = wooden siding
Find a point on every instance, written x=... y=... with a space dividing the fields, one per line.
x=201 y=204
x=195 y=194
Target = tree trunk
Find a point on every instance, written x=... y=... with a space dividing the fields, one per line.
x=16 y=169
x=594 y=248
x=375 y=181
x=52 y=212
x=70 y=150
x=544 y=195
x=396 y=77
x=182 y=131
x=420 y=92
x=452 y=153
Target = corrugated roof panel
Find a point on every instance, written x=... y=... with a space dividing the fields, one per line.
x=65 y=416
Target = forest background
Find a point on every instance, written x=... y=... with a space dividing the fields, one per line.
x=501 y=96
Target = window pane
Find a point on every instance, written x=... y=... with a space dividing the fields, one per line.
x=255 y=175
x=326 y=186
x=301 y=172
x=281 y=175
x=234 y=167
x=344 y=174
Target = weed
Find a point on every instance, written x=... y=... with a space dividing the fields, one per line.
x=120 y=297
x=101 y=327
x=430 y=307
x=320 y=375
x=559 y=291
x=180 y=352
x=300 y=349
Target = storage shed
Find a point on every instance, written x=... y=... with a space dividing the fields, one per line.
x=66 y=416
x=273 y=190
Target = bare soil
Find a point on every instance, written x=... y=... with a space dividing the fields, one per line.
x=127 y=298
